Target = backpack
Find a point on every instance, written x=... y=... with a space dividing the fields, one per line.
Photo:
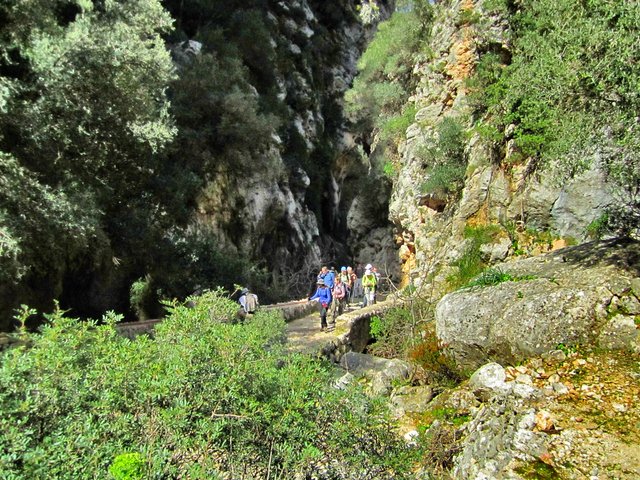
x=339 y=291
x=251 y=302
x=369 y=280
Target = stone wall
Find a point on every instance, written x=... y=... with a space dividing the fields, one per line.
x=357 y=335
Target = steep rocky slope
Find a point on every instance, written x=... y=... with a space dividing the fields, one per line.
x=297 y=204
x=499 y=187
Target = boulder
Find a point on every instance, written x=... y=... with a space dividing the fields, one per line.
x=489 y=380
x=620 y=333
x=412 y=399
x=381 y=371
x=557 y=304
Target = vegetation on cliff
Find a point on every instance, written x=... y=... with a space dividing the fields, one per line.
x=567 y=92
x=560 y=91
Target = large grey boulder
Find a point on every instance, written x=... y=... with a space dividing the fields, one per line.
x=381 y=371
x=570 y=299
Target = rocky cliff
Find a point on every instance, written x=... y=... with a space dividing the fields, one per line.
x=498 y=185
x=296 y=203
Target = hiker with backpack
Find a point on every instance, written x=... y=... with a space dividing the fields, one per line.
x=249 y=303
x=323 y=297
x=330 y=277
x=369 y=283
x=339 y=293
x=344 y=277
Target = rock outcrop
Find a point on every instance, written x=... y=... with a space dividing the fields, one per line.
x=577 y=295
x=265 y=213
x=554 y=417
x=430 y=224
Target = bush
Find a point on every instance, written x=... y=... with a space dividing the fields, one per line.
x=142 y=298
x=394 y=332
x=471 y=263
x=204 y=397
x=431 y=356
x=127 y=466
x=444 y=159
x=491 y=276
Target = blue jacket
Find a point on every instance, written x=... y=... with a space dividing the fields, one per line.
x=330 y=279
x=323 y=294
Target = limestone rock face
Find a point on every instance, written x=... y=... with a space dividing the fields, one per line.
x=520 y=195
x=264 y=213
x=567 y=298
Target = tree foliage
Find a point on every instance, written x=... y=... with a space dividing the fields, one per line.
x=83 y=113
x=384 y=79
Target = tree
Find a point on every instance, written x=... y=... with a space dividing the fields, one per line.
x=83 y=113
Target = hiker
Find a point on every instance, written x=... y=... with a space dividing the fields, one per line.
x=369 y=283
x=344 y=277
x=248 y=302
x=330 y=277
x=339 y=294
x=374 y=270
x=351 y=284
x=322 y=273
x=323 y=296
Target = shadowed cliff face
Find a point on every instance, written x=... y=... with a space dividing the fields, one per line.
x=292 y=203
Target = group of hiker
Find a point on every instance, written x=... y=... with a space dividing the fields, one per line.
x=336 y=290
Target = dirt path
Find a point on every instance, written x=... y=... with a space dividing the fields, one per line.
x=304 y=335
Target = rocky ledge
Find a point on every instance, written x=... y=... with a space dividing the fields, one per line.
x=583 y=295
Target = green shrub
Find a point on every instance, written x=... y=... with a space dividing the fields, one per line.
x=142 y=298
x=389 y=169
x=446 y=178
x=127 y=466
x=394 y=332
x=491 y=276
x=204 y=397
x=495 y=276
x=471 y=263
x=468 y=17
x=395 y=126
x=444 y=159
